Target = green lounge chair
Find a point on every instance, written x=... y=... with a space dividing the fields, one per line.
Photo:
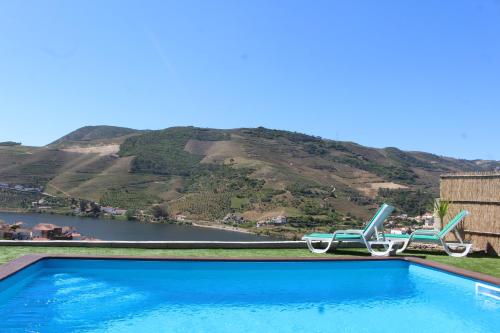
x=438 y=237
x=371 y=235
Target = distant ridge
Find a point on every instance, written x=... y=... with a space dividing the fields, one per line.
x=91 y=133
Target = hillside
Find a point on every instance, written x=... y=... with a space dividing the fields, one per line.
x=207 y=173
x=94 y=135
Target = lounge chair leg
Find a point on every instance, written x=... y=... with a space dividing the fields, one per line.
x=388 y=250
x=404 y=246
x=467 y=248
x=314 y=250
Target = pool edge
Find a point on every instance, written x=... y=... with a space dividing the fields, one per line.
x=18 y=264
x=12 y=267
x=455 y=270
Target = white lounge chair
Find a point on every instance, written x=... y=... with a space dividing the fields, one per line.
x=369 y=236
x=438 y=237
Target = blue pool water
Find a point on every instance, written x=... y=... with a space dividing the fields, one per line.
x=76 y=295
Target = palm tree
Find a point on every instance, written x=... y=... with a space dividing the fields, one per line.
x=441 y=208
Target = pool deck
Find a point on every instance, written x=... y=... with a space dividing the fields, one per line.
x=18 y=264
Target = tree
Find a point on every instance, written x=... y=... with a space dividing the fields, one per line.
x=131 y=214
x=441 y=208
x=159 y=212
x=95 y=208
x=83 y=206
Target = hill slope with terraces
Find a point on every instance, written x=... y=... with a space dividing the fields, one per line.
x=208 y=173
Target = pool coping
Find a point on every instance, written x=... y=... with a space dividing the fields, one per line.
x=12 y=267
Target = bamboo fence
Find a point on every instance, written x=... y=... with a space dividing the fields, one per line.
x=479 y=193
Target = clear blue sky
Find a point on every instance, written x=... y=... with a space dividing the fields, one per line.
x=419 y=75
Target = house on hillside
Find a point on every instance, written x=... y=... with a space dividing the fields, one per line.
x=119 y=211
x=52 y=231
x=38 y=203
x=113 y=211
x=76 y=236
x=41 y=230
x=276 y=220
x=14 y=231
x=23 y=234
x=4 y=228
x=233 y=218
x=428 y=220
x=280 y=219
x=108 y=210
x=400 y=231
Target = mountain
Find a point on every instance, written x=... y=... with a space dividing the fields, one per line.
x=208 y=173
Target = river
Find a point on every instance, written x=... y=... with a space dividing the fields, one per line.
x=107 y=229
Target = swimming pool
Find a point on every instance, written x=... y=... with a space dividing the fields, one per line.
x=88 y=295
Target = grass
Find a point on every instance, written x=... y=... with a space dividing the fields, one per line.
x=238 y=203
x=477 y=263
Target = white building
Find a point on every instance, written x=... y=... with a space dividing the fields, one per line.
x=428 y=220
x=113 y=210
x=397 y=231
x=280 y=219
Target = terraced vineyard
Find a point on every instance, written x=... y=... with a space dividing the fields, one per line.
x=257 y=173
x=204 y=206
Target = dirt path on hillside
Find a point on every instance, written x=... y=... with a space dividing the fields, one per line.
x=101 y=150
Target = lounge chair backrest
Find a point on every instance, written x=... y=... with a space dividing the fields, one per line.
x=378 y=219
x=453 y=223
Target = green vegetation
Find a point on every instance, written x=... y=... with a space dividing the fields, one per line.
x=11 y=199
x=239 y=204
x=211 y=194
x=162 y=152
x=270 y=134
x=10 y=143
x=128 y=198
x=22 y=166
x=160 y=212
x=388 y=172
x=406 y=159
x=92 y=133
x=477 y=263
x=441 y=207
x=17 y=199
x=303 y=187
x=205 y=206
x=407 y=201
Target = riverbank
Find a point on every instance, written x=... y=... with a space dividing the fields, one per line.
x=201 y=224
x=14 y=210
x=125 y=230
x=61 y=213
x=220 y=227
